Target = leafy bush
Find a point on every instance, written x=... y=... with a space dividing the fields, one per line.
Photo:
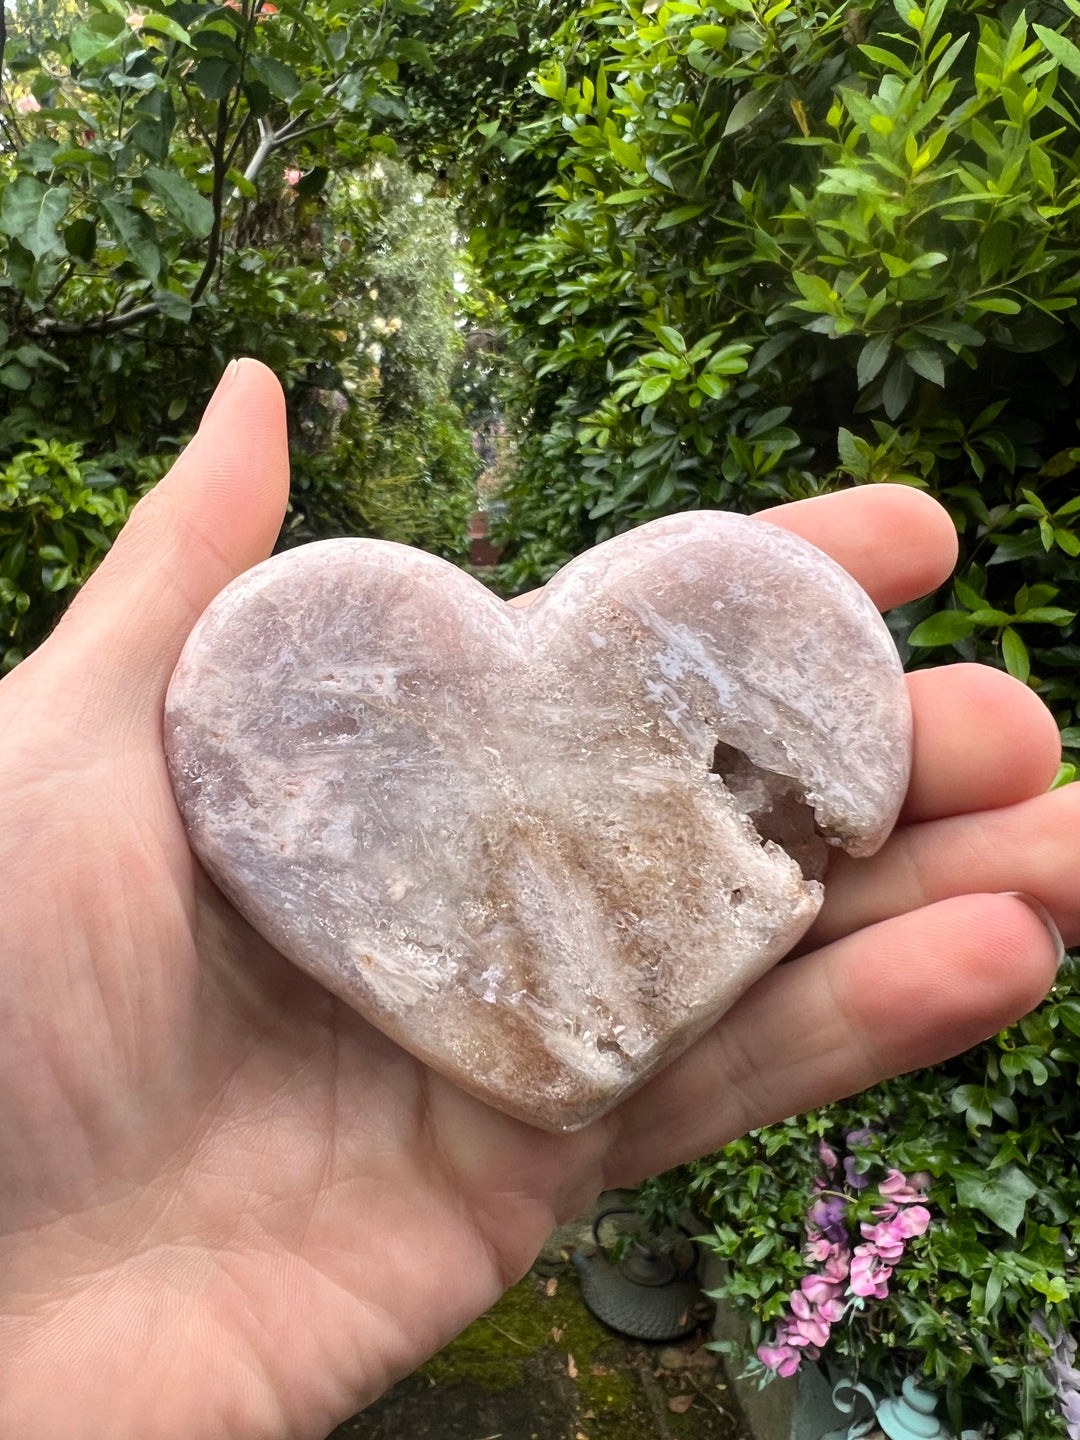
x=779 y=252
x=972 y=1301
x=57 y=519
x=185 y=181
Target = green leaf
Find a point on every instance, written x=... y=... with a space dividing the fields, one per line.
x=886 y=58
x=165 y=25
x=928 y=364
x=765 y=1246
x=968 y=596
x=176 y=307
x=1048 y=615
x=897 y=389
x=281 y=80
x=80 y=238
x=416 y=53
x=96 y=37
x=1014 y=653
x=240 y=183
x=944 y=628
x=1063 y=51
x=1001 y=1195
x=627 y=197
x=135 y=232
x=680 y=216
x=1055 y=1289
x=997 y=304
x=180 y=197
x=15 y=377
x=39 y=157
x=214 y=77
x=30 y=212
x=151 y=137
x=712 y=386
x=671 y=339
x=745 y=111
x=995 y=250
x=872 y=358
x=852 y=457
x=653 y=389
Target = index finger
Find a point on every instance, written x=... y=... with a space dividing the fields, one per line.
x=896 y=542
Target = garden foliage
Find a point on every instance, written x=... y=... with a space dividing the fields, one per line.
x=973 y=1300
x=777 y=250
x=184 y=182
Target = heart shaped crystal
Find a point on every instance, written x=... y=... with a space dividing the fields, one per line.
x=541 y=848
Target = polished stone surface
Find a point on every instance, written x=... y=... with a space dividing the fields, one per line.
x=544 y=848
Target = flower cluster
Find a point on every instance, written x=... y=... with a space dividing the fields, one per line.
x=847 y=1275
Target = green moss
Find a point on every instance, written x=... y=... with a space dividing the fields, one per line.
x=501 y=1349
x=464 y=1367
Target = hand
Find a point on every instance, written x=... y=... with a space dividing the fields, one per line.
x=231 y=1209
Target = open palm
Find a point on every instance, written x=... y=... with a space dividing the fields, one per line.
x=231 y=1209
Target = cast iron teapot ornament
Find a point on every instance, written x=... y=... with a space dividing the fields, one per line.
x=647 y=1294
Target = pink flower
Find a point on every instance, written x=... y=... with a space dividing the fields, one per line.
x=294 y=176
x=781 y=1359
x=27 y=104
x=818 y=1289
x=827 y=1155
x=899 y=1187
x=837 y=1265
x=870 y=1275
x=915 y=1220
x=135 y=22
x=883 y=1241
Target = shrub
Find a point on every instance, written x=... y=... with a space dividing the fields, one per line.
x=972 y=1301
x=182 y=182
x=780 y=252
x=57 y=518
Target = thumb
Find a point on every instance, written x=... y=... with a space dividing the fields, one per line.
x=216 y=513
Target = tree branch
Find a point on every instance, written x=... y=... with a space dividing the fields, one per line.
x=106 y=325
x=217 y=199
x=267 y=140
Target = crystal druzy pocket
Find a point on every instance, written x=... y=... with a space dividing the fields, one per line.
x=545 y=848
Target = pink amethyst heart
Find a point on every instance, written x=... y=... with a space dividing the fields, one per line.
x=544 y=849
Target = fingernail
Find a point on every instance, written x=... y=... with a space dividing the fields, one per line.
x=1047 y=919
x=222 y=386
